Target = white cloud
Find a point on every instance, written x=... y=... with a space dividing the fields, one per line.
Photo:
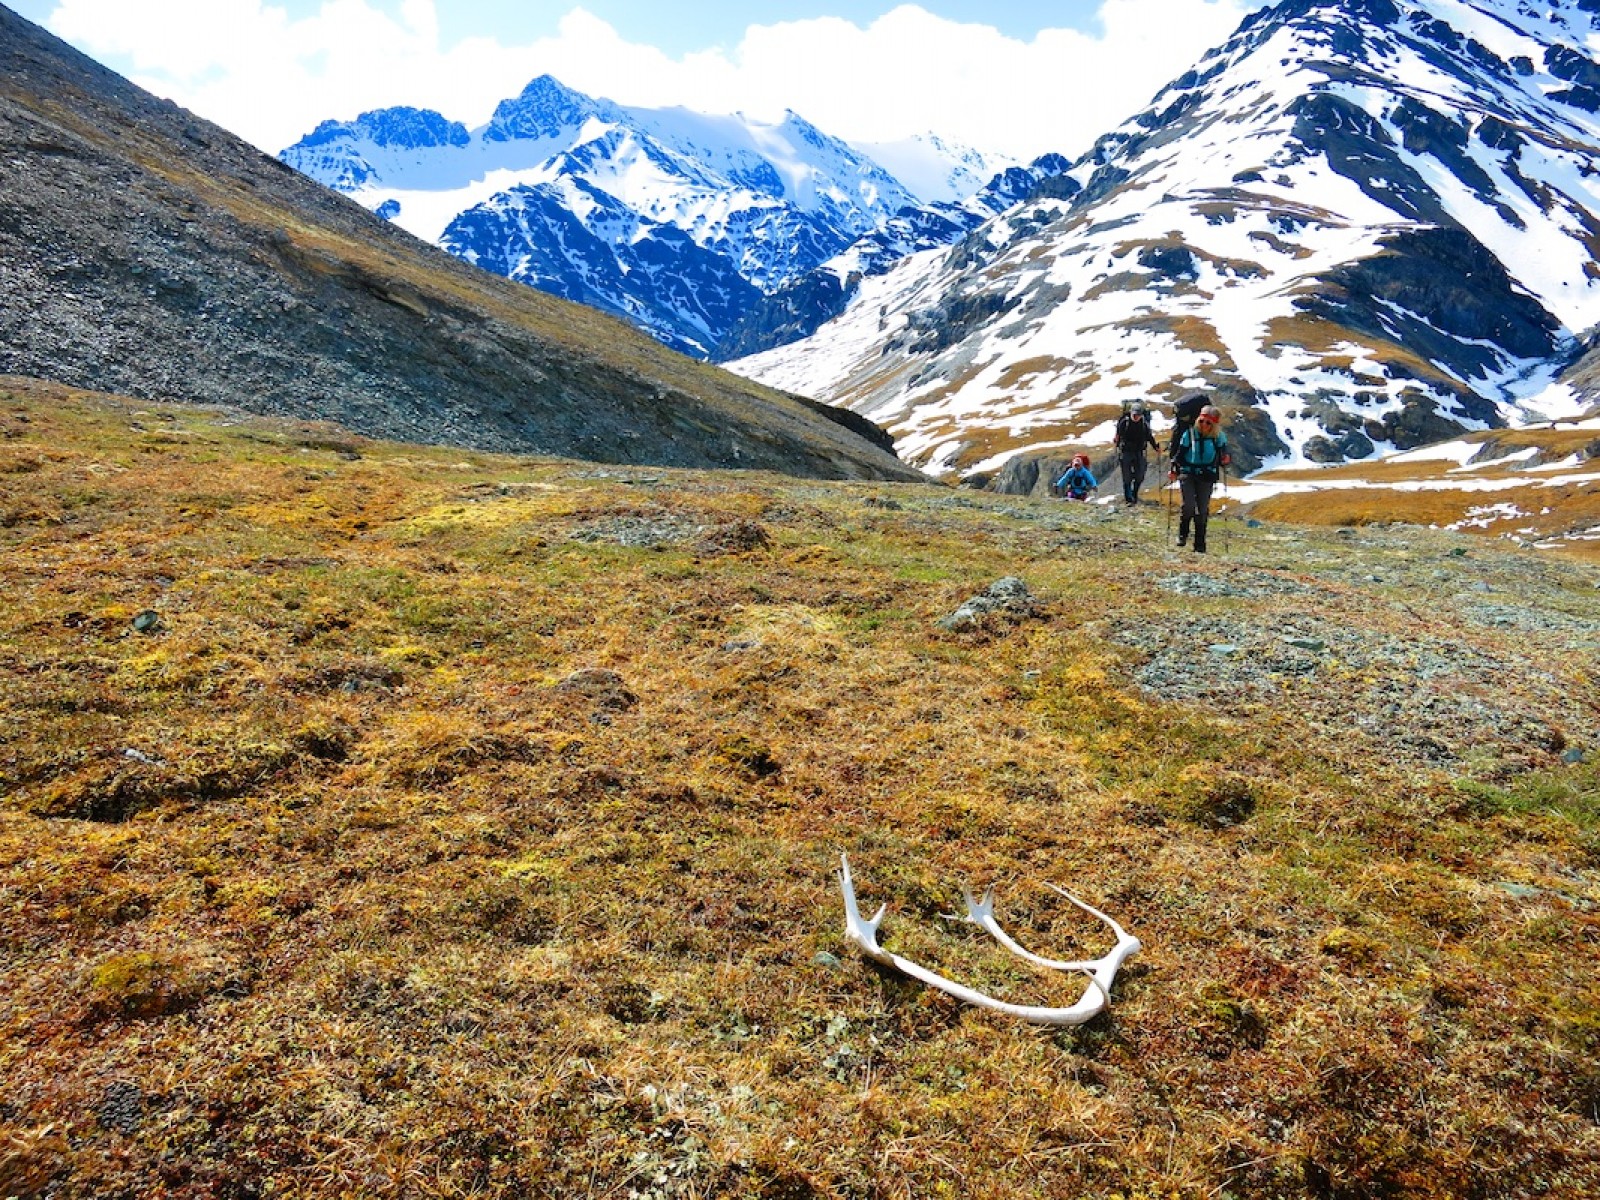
x=246 y=65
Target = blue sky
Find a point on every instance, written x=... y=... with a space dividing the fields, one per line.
x=680 y=28
x=1014 y=77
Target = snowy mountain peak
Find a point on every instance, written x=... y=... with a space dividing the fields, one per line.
x=718 y=208
x=348 y=155
x=544 y=109
x=933 y=169
x=1360 y=225
x=392 y=128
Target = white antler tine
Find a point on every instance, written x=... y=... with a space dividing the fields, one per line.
x=857 y=929
x=978 y=909
x=983 y=916
x=1091 y=910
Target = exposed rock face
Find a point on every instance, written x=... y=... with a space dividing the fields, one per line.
x=1355 y=226
x=650 y=273
x=798 y=310
x=146 y=252
x=727 y=208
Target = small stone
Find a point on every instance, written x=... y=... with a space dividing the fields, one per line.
x=1521 y=891
x=147 y=621
x=1315 y=645
x=823 y=959
x=1573 y=756
x=1223 y=649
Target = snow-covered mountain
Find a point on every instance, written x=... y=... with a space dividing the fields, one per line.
x=1361 y=225
x=674 y=219
x=934 y=169
x=796 y=311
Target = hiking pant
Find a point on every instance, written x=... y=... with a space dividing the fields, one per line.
x=1133 y=468
x=1196 y=491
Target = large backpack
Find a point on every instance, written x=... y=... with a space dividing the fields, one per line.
x=1183 y=416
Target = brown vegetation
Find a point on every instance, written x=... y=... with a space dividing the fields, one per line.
x=1541 y=508
x=379 y=820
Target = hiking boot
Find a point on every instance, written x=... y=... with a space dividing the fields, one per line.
x=1199 y=545
x=1183 y=533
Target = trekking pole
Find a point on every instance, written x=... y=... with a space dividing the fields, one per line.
x=1227 y=527
x=1166 y=486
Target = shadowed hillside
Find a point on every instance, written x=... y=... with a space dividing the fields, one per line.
x=145 y=251
x=387 y=821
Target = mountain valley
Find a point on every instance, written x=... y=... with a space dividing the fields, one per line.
x=147 y=252
x=432 y=712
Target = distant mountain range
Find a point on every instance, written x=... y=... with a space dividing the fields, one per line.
x=1361 y=225
x=147 y=252
x=677 y=221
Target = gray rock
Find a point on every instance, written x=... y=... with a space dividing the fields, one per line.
x=1315 y=645
x=1008 y=596
x=1521 y=891
x=605 y=689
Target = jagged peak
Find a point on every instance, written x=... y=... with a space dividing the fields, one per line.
x=399 y=127
x=797 y=125
x=542 y=109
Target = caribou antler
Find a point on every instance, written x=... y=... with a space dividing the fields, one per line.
x=1101 y=971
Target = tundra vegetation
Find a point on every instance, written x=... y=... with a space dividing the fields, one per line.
x=380 y=820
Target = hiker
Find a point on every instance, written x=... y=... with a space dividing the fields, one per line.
x=1132 y=439
x=1079 y=482
x=1197 y=463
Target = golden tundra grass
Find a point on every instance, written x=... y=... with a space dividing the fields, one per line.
x=394 y=822
x=1544 y=504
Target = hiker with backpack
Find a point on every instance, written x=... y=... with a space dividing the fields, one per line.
x=1132 y=439
x=1199 y=457
x=1078 y=483
x=1183 y=414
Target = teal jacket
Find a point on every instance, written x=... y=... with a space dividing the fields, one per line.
x=1199 y=454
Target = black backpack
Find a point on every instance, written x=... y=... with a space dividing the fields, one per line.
x=1183 y=416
